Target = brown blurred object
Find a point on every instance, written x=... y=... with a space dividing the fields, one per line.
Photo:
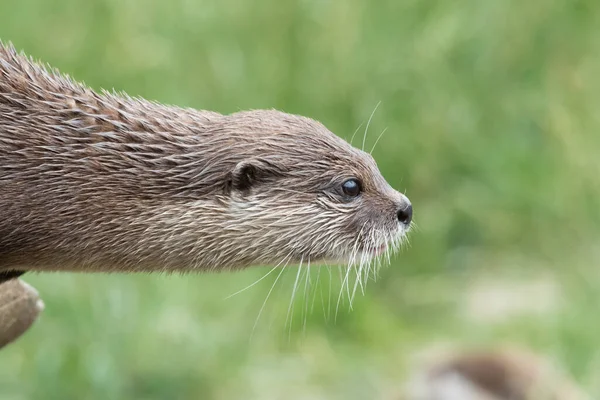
x=491 y=375
x=20 y=306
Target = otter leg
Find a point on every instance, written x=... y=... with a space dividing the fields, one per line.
x=20 y=306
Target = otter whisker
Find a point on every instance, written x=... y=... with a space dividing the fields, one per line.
x=351 y=261
x=369 y=263
x=312 y=307
x=344 y=283
x=266 y=299
x=374 y=267
x=372 y=264
x=390 y=249
x=386 y=237
x=260 y=279
x=413 y=226
x=307 y=286
x=351 y=267
x=377 y=141
x=369 y=123
x=367 y=271
x=382 y=237
x=357 y=129
x=291 y=305
x=342 y=280
x=359 y=271
x=405 y=242
x=357 y=281
x=364 y=261
x=329 y=294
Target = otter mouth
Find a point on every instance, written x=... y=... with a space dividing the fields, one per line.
x=377 y=251
x=374 y=251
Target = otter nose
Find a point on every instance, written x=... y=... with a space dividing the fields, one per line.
x=405 y=214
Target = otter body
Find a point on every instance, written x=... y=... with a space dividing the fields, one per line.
x=104 y=182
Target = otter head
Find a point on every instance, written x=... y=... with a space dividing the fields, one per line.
x=299 y=193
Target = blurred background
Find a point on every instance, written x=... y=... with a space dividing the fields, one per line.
x=491 y=112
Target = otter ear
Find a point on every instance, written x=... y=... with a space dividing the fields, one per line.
x=249 y=172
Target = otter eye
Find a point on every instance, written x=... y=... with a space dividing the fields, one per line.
x=351 y=187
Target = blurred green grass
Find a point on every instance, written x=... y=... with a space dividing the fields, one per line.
x=491 y=110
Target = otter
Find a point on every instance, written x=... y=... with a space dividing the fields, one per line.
x=98 y=181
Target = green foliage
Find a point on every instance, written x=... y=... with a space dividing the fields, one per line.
x=491 y=110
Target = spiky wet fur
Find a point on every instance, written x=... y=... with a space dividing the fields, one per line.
x=105 y=182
